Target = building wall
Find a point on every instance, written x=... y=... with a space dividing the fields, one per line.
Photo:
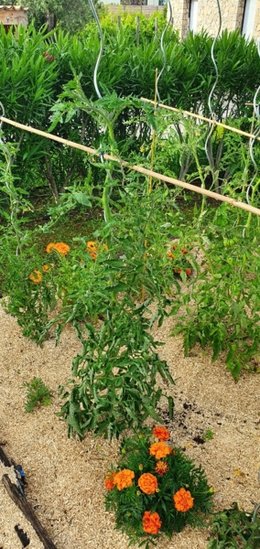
x=257 y=21
x=208 y=16
x=13 y=16
x=231 y=10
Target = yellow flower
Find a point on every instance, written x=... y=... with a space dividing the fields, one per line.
x=61 y=247
x=35 y=277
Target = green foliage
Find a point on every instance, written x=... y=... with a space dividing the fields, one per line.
x=70 y=14
x=114 y=385
x=37 y=394
x=114 y=377
x=222 y=308
x=36 y=65
x=130 y=503
x=233 y=528
x=105 y=291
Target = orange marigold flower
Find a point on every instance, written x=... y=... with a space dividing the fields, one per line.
x=161 y=433
x=151 y=522
x=160 y=450
x=59 y=247
x=170 y=255
x=109 y=481
x=183 y=500
x=161 y=468
x=91 y=246
x=124 y=479
x=35 y=277
x=46 y=268
x=148 y=483
x=188 y=271
x=93 y=255
x=92 y=249
x=184 y=251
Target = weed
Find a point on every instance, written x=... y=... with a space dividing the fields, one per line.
x=208 y=435
x=38 y=394
x=233 y=528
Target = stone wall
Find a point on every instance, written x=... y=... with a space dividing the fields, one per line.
x=257 y=22
x=231 y=10
x=208 y=16
x=179 y=20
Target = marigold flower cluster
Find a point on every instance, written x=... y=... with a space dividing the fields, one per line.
x=149 y=483
x=92 y=249
x=63 y=249
x=36 y=276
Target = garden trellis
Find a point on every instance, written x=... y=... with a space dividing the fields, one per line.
x=136 y=168
x=203 y=118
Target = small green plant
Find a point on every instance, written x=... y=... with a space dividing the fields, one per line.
x=208 y=435
x=38 y=394
x=234 y=529
x=155 y=488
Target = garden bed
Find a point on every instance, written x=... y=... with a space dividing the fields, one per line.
x=215 y=421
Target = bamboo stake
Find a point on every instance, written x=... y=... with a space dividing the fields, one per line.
x=136 y=168
x=201 y=117
x=154 y=137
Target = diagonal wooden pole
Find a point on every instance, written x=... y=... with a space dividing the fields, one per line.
x=136 y=168
x=201 y=117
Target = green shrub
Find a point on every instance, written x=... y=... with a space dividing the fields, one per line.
x=36 y=65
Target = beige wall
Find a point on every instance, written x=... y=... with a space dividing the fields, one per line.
x=13 y=16
x=208 y=16
x=257 y=21
x=231 y=10
x=180 y=13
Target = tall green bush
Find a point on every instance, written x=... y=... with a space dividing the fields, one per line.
x=36 y=65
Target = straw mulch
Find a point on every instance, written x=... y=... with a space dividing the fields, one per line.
x=65 y=476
